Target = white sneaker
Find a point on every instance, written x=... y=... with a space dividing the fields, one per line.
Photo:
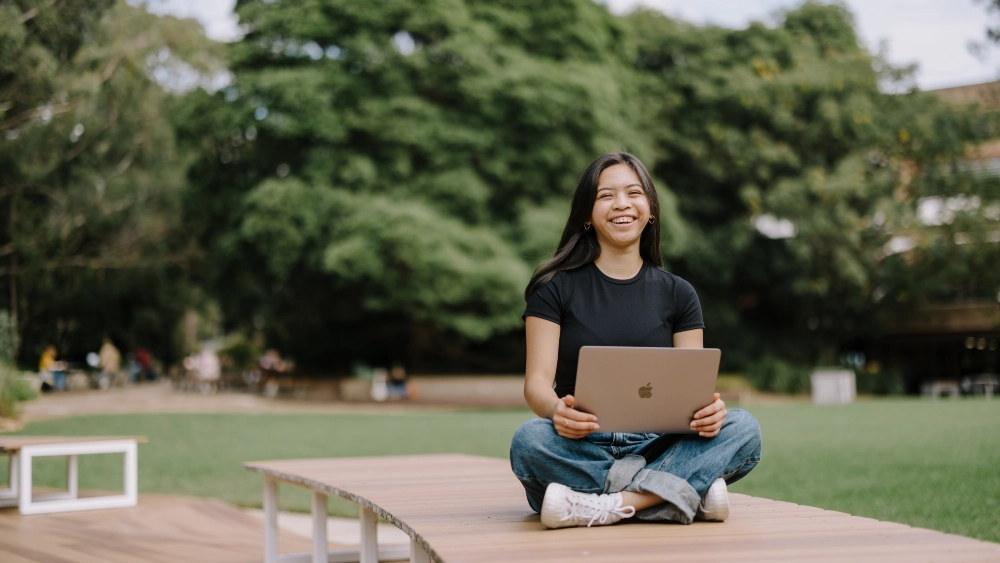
x=563 y=507
x=714 y=505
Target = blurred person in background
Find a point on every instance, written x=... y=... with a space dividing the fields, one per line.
x=145 y=360
x=110 y=363
x=52 y=371
x=398 y=387
x=270 y=362
x=269 y=367
x=380 y=384
x=205 y=369
x=606 y=286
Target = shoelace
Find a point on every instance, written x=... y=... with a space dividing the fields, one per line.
x=581 y=504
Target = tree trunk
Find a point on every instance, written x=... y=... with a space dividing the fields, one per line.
x=14 y=341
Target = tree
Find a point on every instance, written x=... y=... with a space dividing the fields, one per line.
x=796 y=172
x=381 y=177
x=90 y=179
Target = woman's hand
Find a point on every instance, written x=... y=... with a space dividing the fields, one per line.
x=709 y=420
x=571 y=423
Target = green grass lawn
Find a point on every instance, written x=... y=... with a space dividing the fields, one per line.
x=929 y=464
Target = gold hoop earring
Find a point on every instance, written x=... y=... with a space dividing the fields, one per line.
x=586 y=226
x=651 y=220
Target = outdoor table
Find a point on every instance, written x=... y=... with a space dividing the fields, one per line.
x=22 y=450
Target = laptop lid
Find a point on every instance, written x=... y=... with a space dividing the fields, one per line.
x=635 y=389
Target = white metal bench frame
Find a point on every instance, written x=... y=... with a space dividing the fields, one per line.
x=18 y=492
x=368 y=553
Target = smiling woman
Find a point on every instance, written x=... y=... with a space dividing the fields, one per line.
x=605 y=287
x=606 y=184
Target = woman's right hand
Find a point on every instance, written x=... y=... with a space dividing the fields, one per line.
x=571 y=423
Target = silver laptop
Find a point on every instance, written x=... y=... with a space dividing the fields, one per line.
x=645 y=389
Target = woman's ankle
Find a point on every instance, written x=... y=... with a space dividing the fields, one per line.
x=640 y=501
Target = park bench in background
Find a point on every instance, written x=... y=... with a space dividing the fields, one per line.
x=937 y=389
x=465 y=508
x=22 y=450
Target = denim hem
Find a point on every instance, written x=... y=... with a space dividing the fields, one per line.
x=742 y=472
x=623 y=472
x=681 y=500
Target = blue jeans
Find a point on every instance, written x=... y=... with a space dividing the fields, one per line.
x=679 y=468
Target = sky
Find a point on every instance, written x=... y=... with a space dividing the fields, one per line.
x=934 y=34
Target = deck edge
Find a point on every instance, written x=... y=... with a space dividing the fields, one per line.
x=330 y=490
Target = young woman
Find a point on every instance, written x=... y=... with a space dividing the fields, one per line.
x=605 y=286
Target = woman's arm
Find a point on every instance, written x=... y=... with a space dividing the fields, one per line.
x=709 y=420
x=690 y=338
x=539 y=374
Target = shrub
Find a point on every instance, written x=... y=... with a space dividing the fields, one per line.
x=880 y=382
x=8 y=338
x=776 y=375
x=242 y=353
x=13 y=391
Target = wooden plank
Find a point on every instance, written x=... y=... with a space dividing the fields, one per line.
x=161 y=529
x=13 y=444
x=471 y=509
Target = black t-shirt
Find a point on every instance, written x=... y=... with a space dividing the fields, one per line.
x=593 y=309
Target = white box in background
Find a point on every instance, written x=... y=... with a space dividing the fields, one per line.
x=832 y=386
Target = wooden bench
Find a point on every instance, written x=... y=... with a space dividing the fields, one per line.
x=465 y=508
x=937 y=389
x=22 y=450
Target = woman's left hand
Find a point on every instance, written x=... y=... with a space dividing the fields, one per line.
x=709 y=420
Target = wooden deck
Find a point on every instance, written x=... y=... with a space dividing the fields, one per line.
x=471 y=509
x=161 y=529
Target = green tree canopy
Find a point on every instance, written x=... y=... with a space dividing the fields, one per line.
x=380 y=178
x=409 y=163
x=89 y=175
x=796 y=171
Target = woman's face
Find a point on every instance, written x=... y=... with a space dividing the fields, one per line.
x=621 y=208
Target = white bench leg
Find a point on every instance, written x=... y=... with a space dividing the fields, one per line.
x=15 y=479
x=72 y=477
x=24 y=476
x=369 y=536
x=320 y=548
x=270 y=521
x=132 y=473
x=369 y=552
x=417 y=553
x=8 y=496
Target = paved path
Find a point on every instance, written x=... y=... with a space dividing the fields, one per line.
x=161 y=397
x=439 y=394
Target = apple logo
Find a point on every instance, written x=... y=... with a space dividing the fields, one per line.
x=645 y=392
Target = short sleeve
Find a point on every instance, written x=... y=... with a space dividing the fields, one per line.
x=547 y=302
x=687 y=307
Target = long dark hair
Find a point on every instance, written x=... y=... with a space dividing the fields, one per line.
x=578 y=246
